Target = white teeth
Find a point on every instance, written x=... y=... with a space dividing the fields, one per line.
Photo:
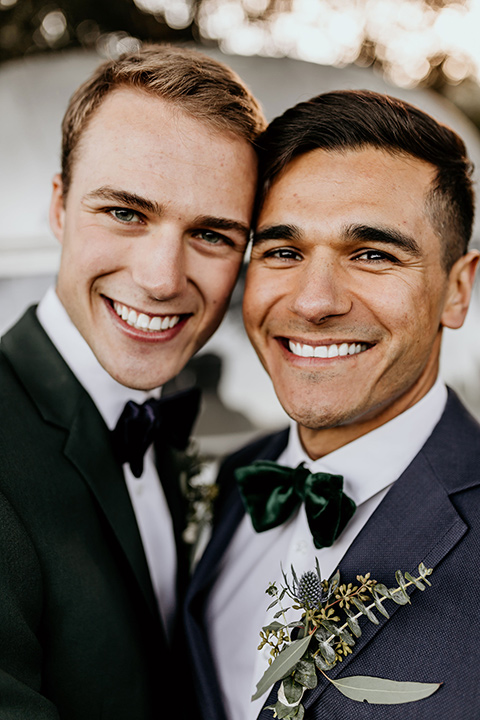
x=326 y=351
x=142 y=321
x=321 y=351
x=155 y=323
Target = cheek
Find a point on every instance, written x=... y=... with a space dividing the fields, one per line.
x=216 y=282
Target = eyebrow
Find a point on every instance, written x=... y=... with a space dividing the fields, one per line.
x=387 y=236
x=366 y=233
x=277 y=232
x=122 y=197
x=220 y=223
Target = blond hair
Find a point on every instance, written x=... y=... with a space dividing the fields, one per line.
x=201 y=86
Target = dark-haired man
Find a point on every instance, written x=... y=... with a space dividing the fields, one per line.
x=360 y=258
x=153 y=213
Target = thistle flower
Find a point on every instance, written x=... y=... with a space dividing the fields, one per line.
x=309 y=590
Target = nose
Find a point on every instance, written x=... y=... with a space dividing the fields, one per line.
x=321 y=291
x=159 y=265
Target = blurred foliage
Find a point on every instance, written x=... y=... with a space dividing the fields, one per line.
x=114 y=26
x=33 y=26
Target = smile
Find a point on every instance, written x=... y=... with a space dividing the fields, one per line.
x=142 y=321
x=326 y=351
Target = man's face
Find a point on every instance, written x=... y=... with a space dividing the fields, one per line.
x=153 y=231
x=345 y=294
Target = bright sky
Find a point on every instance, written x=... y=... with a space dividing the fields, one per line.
x=331 y=32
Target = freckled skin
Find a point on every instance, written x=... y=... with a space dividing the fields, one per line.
x=163 y=261
x=323 y=287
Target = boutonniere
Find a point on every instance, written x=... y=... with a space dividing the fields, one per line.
x=197 y=482
x=325 y=633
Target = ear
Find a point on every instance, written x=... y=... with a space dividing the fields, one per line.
x=57 y=208
x=460 y=283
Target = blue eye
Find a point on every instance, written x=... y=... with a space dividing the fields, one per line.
x=125 y=216
x=210 y=237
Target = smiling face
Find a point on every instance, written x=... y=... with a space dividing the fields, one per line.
x=153 y=231
x=346 y=295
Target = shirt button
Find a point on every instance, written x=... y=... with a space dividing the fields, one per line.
x=301 y=547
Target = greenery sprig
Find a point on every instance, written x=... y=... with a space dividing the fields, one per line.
x=325 y=634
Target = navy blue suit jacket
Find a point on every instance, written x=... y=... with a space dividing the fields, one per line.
x=431 y=515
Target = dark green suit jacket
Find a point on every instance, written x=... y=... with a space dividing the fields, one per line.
x=80 y=634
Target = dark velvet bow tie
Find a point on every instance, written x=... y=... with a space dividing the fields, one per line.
x=271 y=493
x=171 y=419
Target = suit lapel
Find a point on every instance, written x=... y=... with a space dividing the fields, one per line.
x=228 y=513
x=416 y=522
x=229 y=509
x=63 y=402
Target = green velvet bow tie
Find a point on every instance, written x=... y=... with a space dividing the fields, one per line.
x=271 y=493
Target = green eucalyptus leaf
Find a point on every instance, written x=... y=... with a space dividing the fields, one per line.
x=282 y=711
x=401 y=581
x=424 y=571
x=383 y=590
x=331 y=627
x=353 y=624
x=317 y=567
x=378 y=604
x=279 y=613
x=282 y=594
x=321 y=634
x=365 y=610
x=334 y=582
x=300 y=713
x=399 y=597
x=419 y=585
x=273 y=626
x=272 y=605
x=327 y=652
x=378 y=691
x=282 y=665
x=322 y=664
x=292 y=689
x=346 y=637
x=305 y=674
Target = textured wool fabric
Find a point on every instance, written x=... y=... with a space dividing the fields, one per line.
x=432 y=515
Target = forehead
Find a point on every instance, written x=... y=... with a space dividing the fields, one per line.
x=144 y=143
x=325 y=188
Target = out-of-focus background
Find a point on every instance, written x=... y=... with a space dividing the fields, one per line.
x=425 y=51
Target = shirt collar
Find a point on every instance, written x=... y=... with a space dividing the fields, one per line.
x=374 y=461
x=108 y=395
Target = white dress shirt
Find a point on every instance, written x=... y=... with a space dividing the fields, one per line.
x=237 y=605
x=146 y=493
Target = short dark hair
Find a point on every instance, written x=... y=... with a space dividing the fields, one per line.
x=205 y=88
x=354 y=119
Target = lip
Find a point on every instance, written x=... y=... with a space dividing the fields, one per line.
x=150 y=336
x=341 y=350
